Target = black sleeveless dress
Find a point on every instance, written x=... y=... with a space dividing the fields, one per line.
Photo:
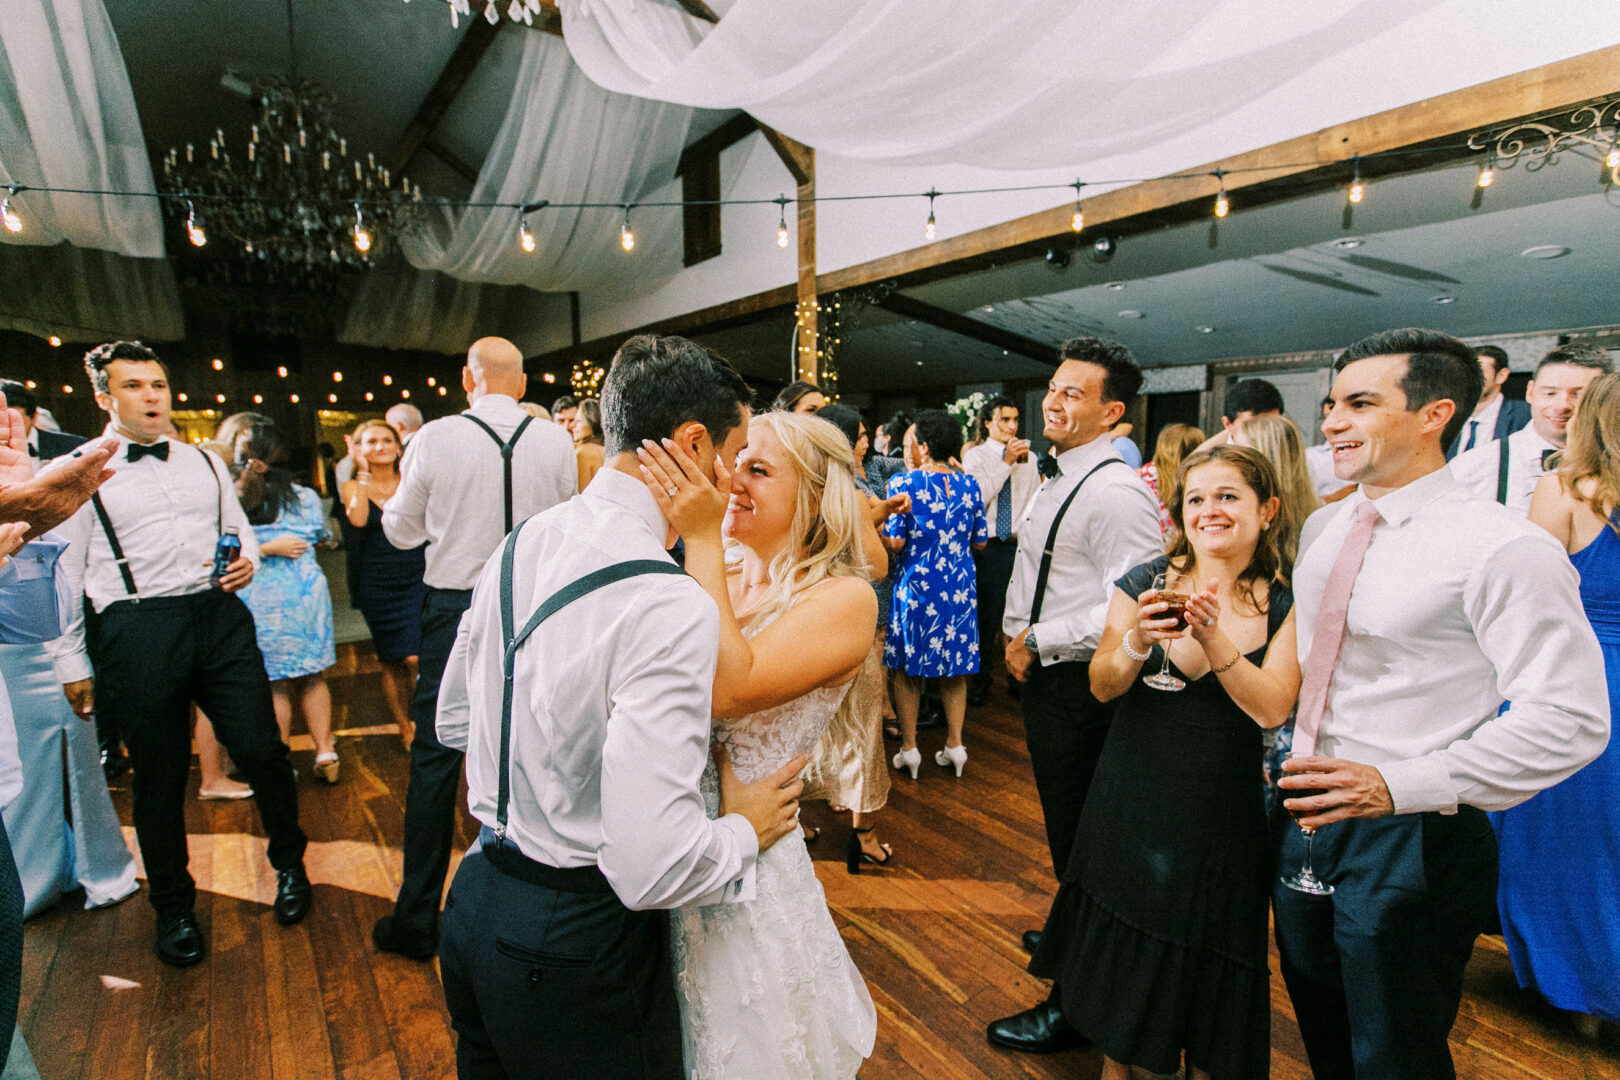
x=1158 y=934
x=385 y=583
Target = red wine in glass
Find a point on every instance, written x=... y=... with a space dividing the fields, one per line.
x=1176 y=608
x=1304 y=879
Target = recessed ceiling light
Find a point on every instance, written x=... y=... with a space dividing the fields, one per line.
x=919 y=363
x=988 y=308
x=1132 y=313
x=1349 y=242
x=1545 y=251
x=1205 y=329
x=1444 y=299
x=1116 y=285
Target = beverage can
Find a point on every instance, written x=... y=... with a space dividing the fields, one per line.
x=227 y=551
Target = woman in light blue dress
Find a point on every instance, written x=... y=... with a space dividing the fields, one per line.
x=933 y=623
x=289 y=597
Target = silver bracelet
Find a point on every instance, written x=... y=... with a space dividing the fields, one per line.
x=1139 y=657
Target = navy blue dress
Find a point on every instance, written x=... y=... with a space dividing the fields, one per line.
x=934 y=621
x=385 y=583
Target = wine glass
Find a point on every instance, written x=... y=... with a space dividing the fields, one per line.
x=1304 y=879
x=1164 y=586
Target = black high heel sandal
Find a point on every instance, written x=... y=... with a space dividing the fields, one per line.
x=855 y=855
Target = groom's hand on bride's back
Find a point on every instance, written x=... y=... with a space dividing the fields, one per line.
x=771 y=803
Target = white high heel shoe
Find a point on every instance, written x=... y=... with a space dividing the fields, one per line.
x=909 y=760
x=952 y=755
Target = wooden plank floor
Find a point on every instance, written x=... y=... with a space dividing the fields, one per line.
x=936 y=937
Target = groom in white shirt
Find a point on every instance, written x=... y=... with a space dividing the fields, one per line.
x=583 y=757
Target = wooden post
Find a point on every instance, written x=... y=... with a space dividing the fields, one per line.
x=809 y=306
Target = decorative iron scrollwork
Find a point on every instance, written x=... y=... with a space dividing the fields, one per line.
x=1540 y=141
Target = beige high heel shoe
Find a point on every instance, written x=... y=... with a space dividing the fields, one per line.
x=952 y=755
x=909 y=760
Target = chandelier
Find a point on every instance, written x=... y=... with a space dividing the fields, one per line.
x=292 y=199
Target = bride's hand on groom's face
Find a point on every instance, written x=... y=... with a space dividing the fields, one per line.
x=771 y=803
x=693 y=504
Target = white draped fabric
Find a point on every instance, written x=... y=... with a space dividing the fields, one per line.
x=1043 y=84
x=564 y=139
x=399 y=307
x=84 y=294
x=67 y=119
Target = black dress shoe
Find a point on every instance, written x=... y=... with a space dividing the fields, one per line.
x=293 y=894
x=1032 y=940
x=114 y=763
x=179 y=942
x=389 y=936
x=1041 y=1030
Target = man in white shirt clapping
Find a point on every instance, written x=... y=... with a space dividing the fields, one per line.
x=1007 y=478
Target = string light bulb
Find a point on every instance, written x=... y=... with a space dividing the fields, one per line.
x=56 y=343
x=1487 y=172
x=1358 y=190
x=219 y=365
x=525 y=237
x=13 y=221
x=781 y=222
x=362 y=237
x=194 y=231
x=370 y=396
x=281 y=373
x=258 y=399
x=928 y=228
x=293 y=398
x=332 y=398
x=388 y=380
x=1222 y=206
x=1077 y=222
x=627 y=236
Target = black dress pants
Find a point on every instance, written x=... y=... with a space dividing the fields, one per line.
x=152 y=660
x=1375 y=970
x=430 y=801
x=992 y=568
x=1065 y=727
x=546 y=983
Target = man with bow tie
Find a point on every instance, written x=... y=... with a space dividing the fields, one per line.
x=1506 y=470
x=167 y=634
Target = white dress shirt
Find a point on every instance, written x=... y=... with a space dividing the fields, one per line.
x=1319 y=463
x=1478 y=469
x=610 y=716
x=1460 y=604
x=1112 y=526
x=986 y=464
x=1482 y=424
x=168 y=516
x=452 y=487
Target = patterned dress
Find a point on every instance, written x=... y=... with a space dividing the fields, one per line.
x=289 y=598
x=933 y=623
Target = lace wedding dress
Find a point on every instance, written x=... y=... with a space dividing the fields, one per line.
x=768 y=991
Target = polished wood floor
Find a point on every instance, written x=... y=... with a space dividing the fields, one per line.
x=936 y=937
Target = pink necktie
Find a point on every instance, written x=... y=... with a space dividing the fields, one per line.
x=1328 y=635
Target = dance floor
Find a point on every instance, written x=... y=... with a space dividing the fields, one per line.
x=936 y=937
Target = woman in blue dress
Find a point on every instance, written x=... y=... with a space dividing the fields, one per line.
x=1559 y=889
x=933 y=622
x=289 y=597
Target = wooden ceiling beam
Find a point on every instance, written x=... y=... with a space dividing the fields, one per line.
x=699 y=10
x=911 y=308
x=457 y=165
x=736 y=129
x=799 y=158
x=475 y=41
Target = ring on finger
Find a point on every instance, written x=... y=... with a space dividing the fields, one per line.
x=672 y=492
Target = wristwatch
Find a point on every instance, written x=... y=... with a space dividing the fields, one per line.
x=1029 y=641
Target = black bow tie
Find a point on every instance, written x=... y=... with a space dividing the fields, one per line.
x=1546 y=457
x=1048 y=467
x=159 y=450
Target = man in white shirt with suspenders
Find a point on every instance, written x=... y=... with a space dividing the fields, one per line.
x=465 y=482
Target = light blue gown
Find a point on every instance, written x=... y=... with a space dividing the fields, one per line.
x=289 y=598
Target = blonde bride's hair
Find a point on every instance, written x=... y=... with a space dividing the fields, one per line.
x=826 y=523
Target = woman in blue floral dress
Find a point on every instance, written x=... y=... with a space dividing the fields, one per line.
x=289 y=597
x=933 y=623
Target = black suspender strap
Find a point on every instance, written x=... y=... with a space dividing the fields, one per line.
x=513 y=640
x=1502 y=472
x=208 y=460
x=1051 y=540
x=113 y=545
x=506 y=456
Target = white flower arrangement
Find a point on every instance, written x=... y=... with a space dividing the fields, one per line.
x=965 y=410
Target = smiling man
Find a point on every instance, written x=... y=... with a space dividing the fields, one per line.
x=1420 y=608
x=1507 y=469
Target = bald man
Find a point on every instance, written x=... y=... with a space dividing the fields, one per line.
x=469 y=478
x=406 y=419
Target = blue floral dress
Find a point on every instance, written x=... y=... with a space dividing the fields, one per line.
x=289 y=598
x=933 y=623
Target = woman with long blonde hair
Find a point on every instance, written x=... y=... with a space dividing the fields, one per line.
x=1283 y=444
x=769 y=991
x=1561 y=915
x=1175 y=442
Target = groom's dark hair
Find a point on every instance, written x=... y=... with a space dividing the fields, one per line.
x=656 y=384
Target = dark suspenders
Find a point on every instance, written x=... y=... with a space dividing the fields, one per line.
x=506 y=456
x=112 y=535
x=513 y=640
x=1051 y=541
x=1502 y=472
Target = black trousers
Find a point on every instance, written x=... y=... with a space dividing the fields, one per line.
x=992 y=570
x=1065 y=727
x=549 y=984
x=430 y=801
x=152 y=660
x=1375 y=970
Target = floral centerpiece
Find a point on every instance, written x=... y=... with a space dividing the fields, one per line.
x=966 y=412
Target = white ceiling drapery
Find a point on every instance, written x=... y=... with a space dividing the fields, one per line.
x=399 y=307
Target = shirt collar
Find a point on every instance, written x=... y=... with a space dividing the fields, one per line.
x=33 y=437
x=494 y=405
x=624 y=490
x=1487 y=419
x=1529 y=434
x=124 y=441
x=1077 y=460
x=1398 y=507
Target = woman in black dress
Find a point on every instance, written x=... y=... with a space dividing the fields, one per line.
x=385 y=582
x=1158 y=934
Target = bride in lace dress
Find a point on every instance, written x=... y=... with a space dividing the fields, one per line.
x=768 y=991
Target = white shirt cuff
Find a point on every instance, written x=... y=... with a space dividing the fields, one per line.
x=740 y=889
x=1420 y=785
